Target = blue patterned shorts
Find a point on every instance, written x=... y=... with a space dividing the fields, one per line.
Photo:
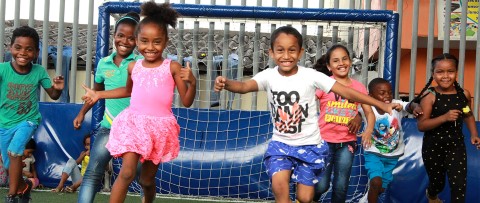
x=306 y=162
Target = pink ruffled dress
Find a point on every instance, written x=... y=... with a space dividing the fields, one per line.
x=148 y=126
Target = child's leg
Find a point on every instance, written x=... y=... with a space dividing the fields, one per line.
x=281 y=186
x=343 y=159
x=457 y=172
x=68 y=170
x=147 y=180
x=375 y=189
x=375 y=168
x=324 y=184
x=433 y=155
x=16 y=184
x=61 y=184
x=14 y=144
x=125 y=177
x=305 y=193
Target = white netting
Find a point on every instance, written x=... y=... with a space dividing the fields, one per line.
x=224 y=135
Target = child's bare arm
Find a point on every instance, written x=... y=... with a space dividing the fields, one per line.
x=352 y=94
x=55 y=91
x=77 y=122
x=185 y=81
x=81 y=157
x=425 y=123
x=235 y=86
x=470 y=122
x=367 y=134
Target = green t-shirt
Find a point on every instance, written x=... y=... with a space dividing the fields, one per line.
x=113 y=76
x=19 y=94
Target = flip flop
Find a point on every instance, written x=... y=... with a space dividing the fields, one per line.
x=70 y=189
x=56 y=190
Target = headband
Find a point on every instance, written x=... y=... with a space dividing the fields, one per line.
x=125 y=18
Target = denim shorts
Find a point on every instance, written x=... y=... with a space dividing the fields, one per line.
x=307 y=163
x=14 y=139
x=378 y=166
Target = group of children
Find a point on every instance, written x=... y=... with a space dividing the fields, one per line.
x=306 y=148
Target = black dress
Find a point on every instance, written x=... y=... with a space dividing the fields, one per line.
x=443 y=149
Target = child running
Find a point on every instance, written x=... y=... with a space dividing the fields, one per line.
x=337 y=121
x=387 y=138
x=147 y=129
x=445 y=108
x=111 y=73
x=20 y=80
x=297 y=150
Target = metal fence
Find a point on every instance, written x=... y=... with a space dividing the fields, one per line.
x=82 y=35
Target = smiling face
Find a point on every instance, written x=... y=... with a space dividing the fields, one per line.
x=151 y=41
x=339 y=63
x=23 y=52
x=382 y=92
x=124 y=39
x=286 y=52
x=445 y=74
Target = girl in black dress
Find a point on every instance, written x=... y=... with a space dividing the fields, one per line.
x=445 y=108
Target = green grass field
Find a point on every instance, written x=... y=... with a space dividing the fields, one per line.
x=45 y=196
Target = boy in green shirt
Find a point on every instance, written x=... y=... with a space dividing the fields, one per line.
x=19 y=113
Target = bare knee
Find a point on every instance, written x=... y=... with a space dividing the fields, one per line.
x=305 y=199
x=127 y=174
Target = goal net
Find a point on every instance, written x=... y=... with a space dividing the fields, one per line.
x=224 y=135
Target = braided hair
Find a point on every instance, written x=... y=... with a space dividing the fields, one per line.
x=444 y=56
x=160 y=14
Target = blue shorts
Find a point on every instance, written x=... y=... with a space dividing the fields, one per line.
x=13 y=140
x=378 y=166
x=307 y=162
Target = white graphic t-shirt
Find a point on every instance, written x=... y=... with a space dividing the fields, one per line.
x=291 y=101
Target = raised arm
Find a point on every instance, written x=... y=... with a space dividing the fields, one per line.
x=92 y=96
x=185 y=81
x=352 y=94
x=241 y=87
x=55 y=91
x=77 y=122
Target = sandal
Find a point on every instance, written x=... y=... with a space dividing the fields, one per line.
x=56 y=190
x=434 y=199
x=70 y=189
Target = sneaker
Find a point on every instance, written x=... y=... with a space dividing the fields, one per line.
x=11 y=199
x=24 y=197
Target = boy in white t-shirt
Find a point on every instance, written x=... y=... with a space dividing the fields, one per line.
x=297 y=151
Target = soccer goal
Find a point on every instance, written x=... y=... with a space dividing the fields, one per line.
x=223 y=137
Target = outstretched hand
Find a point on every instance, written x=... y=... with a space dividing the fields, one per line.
x=58 y=83
x=186 y=74
x=90 y=95
x=220 y=83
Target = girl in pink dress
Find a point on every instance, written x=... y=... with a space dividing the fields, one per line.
x=147 y=130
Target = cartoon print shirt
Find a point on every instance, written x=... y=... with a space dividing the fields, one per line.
x=19 y=94
x=387 y=137
x=292 y=104
x=336 y=112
